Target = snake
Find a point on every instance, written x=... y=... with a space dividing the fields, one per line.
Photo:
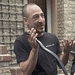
x=52 y=53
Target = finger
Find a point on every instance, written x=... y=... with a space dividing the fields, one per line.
x=63 y=43
x=31 y=31
x=28 y=31
x=64 y=39
x=67 y=42
x=33 y=34
x=34 y=38
x=28 y=36
x=71 y=42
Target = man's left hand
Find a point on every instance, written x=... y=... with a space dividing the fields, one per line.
x=67 y=46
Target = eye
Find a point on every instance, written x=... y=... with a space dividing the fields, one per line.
x=35 y=16
x=42 y=15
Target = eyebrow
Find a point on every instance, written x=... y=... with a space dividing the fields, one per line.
x=34 y=16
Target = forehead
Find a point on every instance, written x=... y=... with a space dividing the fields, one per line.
x=34 y=9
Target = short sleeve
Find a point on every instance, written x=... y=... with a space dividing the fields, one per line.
x=58 y=47
x=20 y=51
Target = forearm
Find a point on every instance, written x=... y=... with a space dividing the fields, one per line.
x=64 y=58
x=28 y=66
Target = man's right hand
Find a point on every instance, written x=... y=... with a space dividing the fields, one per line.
x=28 y=66
x=32 y=38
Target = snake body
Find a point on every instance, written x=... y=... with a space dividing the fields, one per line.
x=52 y=53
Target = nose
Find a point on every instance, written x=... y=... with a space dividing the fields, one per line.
x=41 y=19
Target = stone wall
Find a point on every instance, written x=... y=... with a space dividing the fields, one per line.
x=66 y=27
x=65 y=16
x=69 y=19
x=60 y=19
x=69 y=27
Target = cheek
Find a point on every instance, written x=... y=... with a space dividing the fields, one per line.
x=32 y=24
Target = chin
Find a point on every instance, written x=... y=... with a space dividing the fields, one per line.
x=40 y=31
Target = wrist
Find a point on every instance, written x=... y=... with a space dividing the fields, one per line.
x=34 y=52
x=34 y=49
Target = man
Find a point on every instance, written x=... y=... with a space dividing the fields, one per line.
x=31 y=58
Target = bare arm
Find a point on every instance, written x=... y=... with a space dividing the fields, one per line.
x=28 y=66
x=67 y=48
x=63 y=58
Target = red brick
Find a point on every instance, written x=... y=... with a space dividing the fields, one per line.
x=6 y=70
x=13 y=72
x=3 y=49
x=5 y=58
x=16 y=71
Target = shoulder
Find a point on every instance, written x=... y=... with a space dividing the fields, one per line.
x=50 y=35
x=21 y=39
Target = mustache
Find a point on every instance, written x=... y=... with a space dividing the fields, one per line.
x=41 y=24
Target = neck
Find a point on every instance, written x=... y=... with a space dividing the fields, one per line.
x=40 y=34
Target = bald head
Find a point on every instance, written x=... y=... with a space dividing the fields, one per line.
x=25 y=8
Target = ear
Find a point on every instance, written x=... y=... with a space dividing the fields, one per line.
x=25 y=20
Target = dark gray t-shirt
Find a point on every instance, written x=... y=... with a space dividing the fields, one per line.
x=46 y=63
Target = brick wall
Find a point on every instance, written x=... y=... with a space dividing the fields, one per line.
x=4 y=61
x=11 y=26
